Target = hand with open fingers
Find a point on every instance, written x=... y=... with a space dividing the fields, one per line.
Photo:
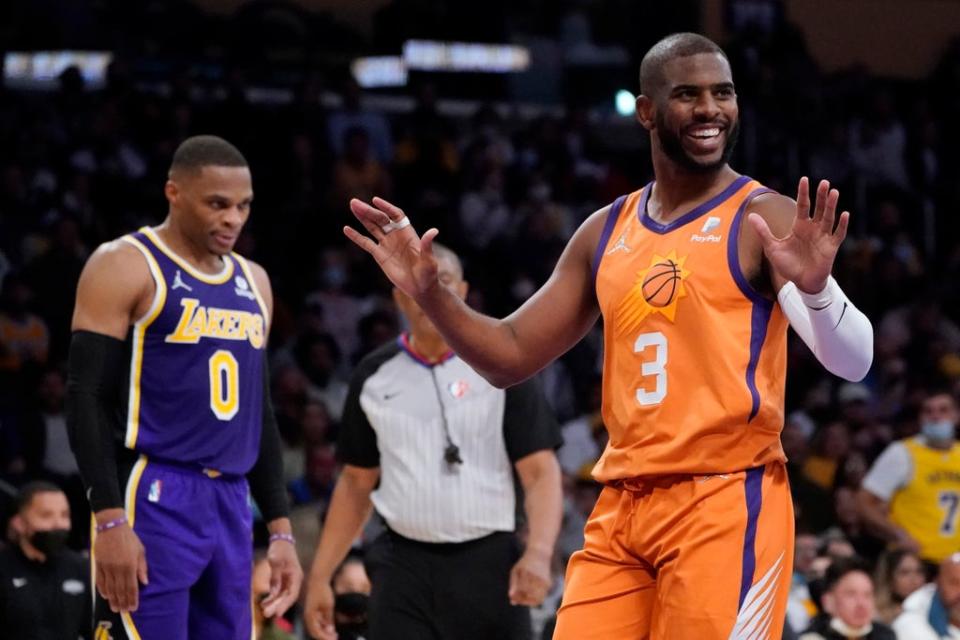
x=530 y=579
x=806 y=255
x=121 y=564
x=318 y=610
x=406 y=258
x=286 y=576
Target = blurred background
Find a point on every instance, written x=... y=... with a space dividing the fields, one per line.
x=504 y=124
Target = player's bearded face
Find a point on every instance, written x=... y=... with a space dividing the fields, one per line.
x=671 y=135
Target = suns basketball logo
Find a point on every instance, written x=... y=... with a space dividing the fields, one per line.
x=657 y=289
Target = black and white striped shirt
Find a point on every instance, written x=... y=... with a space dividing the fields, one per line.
x=392 y=419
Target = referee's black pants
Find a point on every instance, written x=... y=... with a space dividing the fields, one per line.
x=427 y=591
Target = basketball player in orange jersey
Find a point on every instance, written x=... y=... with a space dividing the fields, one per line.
x=697 y=276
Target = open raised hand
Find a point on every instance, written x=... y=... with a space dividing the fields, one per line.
x=406 y=258
x=806 y=255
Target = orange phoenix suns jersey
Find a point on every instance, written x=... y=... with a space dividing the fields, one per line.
x=694 y=358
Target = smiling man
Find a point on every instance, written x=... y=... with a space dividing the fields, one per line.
x=169 y=413
x=697 y=276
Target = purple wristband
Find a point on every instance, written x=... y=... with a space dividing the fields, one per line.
x=106 y=526
x=283 y=536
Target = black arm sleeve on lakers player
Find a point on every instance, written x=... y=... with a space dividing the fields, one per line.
x=94 y=378
x=528 y=421
x=266 y=477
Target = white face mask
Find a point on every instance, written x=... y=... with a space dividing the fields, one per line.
x=844 y=629
x=938 y=431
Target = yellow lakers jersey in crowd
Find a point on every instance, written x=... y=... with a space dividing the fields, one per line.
x=926 y=507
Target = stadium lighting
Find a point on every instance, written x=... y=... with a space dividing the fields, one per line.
x=379 y=71
x=41 y=69
x=430 y=55
x=625 y=103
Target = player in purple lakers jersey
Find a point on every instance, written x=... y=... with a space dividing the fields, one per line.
x=170 y=416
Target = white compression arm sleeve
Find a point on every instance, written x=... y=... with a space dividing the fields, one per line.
x=839 y=334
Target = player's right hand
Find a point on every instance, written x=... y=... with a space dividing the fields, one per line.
x=406 y=258
x=120 y=562
x=318 y=610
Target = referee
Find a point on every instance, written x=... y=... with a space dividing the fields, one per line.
x=433 y=447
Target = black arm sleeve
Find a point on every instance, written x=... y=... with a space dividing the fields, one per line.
x=528 y=422
x=95 y=373
x=266 y=477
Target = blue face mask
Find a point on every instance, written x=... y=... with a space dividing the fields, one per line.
x=939 y=431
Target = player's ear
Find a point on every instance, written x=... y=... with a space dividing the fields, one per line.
x=462 y=288
x=172 y=191
x=645 y=111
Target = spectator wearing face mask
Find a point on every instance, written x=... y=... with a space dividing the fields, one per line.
x=351 y=589
x=911 y=495
x=848 y=604
x=44 y=587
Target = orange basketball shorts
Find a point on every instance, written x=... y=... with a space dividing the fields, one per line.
x=684 y=557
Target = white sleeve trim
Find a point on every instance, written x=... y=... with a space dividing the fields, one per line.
x=890 y=472
x=838 y=334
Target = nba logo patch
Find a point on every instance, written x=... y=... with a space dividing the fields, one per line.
x=154 y=494
x=712 y=223
x=458 y=389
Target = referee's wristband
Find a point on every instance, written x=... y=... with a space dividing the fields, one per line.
x=286 y=537
x=106 y=526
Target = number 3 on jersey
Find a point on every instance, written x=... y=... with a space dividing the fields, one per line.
x=224 y=385
x=655 y=366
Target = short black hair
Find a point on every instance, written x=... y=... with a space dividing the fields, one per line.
x=198 y=152
x=842 y=567
x=677 y=45
x=443 y=252
x=31 y=489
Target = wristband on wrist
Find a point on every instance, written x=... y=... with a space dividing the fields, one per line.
x=106 y=526
x=286 y=537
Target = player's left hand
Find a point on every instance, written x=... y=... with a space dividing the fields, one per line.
x=286 y=576
x=806 y=255
x=530 y=579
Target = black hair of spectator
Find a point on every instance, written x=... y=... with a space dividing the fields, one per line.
x=677 y=45
x=30 y=490
x=842 y=567
x=354 y=555
x=936 y=390
x=198 y=152
x=308 y=340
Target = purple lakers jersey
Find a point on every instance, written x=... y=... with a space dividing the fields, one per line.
x=196 y=367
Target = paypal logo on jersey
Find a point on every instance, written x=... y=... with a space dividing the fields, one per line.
x=711 y=223
x=197 y=322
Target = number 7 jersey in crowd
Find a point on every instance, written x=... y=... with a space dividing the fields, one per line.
x=695 y=358
x=196 y=365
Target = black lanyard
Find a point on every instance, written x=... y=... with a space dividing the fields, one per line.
x=452 y=452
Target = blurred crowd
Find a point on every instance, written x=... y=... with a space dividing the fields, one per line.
x=80 y=167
